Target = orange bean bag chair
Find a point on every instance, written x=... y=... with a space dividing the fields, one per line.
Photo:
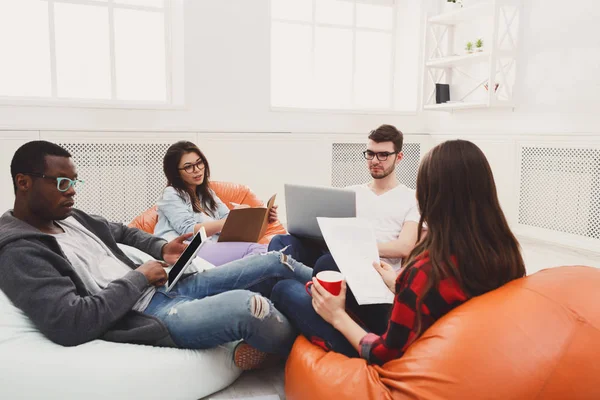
x=535 y=338
x=228 y=192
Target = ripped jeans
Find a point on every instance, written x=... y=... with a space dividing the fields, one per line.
x=230 y=303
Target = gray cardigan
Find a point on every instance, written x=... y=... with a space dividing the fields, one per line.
x=37 y=277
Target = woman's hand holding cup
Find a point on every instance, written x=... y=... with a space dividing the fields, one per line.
x=328 y=293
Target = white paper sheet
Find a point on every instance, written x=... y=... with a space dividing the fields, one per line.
x=353 y=246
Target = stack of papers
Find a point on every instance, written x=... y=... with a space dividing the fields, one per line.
x=353 y=246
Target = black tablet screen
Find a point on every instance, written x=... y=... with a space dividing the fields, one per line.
x=184 y=258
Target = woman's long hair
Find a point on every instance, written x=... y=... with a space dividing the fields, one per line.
x=457 y=198
x=202 y=199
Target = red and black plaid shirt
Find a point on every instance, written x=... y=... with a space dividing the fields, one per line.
x=402 y=326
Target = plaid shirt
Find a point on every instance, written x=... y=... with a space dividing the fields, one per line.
x=402 y=326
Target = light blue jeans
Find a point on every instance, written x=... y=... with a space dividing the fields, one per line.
x=230 y=303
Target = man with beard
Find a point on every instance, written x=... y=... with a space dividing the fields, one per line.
x=390 y=205
x=392 y=209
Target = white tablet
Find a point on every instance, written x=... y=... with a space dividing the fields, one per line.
x=186 y=258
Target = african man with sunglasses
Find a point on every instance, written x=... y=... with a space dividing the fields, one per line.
x=65 y=270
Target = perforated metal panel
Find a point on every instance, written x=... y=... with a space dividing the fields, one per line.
x=560 y=190
x=121 y=179
x=349 y=166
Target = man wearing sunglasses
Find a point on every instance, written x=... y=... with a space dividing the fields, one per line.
x=64 y=270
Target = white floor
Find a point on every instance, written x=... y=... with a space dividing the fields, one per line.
x=255 y=385
x=538 y=256
x=269 y=384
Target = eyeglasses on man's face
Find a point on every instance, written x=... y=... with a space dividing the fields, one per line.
x=190 y=168
x=62 y=184
x=381 y=155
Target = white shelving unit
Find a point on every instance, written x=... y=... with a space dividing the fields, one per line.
x=446 y=61
x=454 y=61
x=455 y=106
x=463 y=14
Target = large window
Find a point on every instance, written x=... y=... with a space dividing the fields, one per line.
x=93 y=50
x=333 y=54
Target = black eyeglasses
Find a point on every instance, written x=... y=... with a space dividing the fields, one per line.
x=192 y=167
x=62 y=184
x=381 y=156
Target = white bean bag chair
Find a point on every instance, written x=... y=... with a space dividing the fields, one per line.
x=33 y=367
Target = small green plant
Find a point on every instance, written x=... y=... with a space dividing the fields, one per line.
x=479 y=44
x=451 y=1
x=469 y=47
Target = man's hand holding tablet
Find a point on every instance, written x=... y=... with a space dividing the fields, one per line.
x=154 y=271
x=186 y=257
x=173 y=250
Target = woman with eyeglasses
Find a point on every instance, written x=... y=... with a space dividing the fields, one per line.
x=188 y=203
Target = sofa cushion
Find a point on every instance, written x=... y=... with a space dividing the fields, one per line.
x=32 y=367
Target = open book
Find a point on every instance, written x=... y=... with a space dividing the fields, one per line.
x=246 y=224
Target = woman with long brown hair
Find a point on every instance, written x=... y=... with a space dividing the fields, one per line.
x=188 y=203
x=468 y=250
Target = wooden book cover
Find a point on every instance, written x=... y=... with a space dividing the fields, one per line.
x=246 y=224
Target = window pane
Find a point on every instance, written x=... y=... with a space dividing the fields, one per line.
x=335 y=12
x=373 y=76
x=82 y=51
x=296 y=10
x=25 y=63
x=333 y=68
x=140 y=55
x=374 y=16
x=291 y=65
x=147 y=3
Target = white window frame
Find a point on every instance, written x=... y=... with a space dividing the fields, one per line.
x=174 y=75
x=314 y=24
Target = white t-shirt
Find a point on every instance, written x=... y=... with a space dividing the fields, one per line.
x=388 y=212
x=93 y=261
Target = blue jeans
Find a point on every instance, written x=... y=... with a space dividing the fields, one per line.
x=306 y=251
x=222 y=305
x=290 y=297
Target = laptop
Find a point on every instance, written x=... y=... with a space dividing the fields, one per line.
x=305 y=203
x=186 y=258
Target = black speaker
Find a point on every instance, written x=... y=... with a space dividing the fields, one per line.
x=442 y=93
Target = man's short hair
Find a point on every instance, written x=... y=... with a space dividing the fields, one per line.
x=31 y=158
x=388 y=133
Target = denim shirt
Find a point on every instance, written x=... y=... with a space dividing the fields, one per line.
x=177 y=217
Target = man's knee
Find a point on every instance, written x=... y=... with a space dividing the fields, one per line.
x=260 y=307
x=280 y=290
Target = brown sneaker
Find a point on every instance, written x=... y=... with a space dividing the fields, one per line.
x=247 y=357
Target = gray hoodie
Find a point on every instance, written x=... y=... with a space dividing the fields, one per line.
x=39 y=279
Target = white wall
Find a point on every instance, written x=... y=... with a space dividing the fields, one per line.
x=227 y=64
x=558 y=83
x=227 y=109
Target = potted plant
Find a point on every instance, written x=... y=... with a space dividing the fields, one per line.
x=469 y=47
x=479 y=44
